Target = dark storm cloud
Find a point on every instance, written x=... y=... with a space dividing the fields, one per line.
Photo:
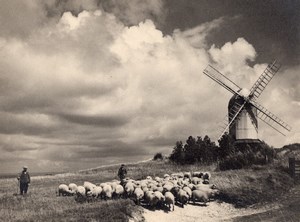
x=10 y=148
x=271 y=26
x=23 y=124
x=95 y=120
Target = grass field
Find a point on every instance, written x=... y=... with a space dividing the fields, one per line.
x=239 y=187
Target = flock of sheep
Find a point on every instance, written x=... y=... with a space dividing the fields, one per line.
x=177 y=188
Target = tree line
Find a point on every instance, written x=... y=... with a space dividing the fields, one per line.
x=228 y=154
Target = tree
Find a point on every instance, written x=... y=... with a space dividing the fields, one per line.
x=158 y=156
x=177 y=155
x=226 y=146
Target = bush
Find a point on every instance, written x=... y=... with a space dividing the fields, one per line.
x=246 y=155
x=158 y=156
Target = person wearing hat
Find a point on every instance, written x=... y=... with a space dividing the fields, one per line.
x=24 y=180
x=122 y=173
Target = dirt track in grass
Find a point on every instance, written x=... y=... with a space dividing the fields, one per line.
x=286 y=208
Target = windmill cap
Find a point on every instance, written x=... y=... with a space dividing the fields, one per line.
x=25 y=167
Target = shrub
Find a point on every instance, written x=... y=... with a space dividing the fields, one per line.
x=158 y=156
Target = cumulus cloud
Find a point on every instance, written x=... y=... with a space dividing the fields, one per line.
x=88 y=86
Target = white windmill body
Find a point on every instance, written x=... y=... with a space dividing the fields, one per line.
x=245 y=128
x=244 y=110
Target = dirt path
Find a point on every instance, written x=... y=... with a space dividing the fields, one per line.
x=285 y=209
x=214 y=212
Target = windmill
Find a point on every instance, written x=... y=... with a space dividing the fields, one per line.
x=243 y=109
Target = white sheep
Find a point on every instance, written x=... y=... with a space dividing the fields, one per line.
x=129 y=189
x=107 y=192
x=96 y=192
x=138 y=195
x=113 y=186
x=88 y=186
x=63 y=190
x=148 y=178
x=119 y=191
x=73 y=187
x=151 y=199
x=182 y=197
x=197 y=174
x=200 y=195
x=169 y=200
x=187 y=175
x=161 y=198
x=167 y=187
x=188 y=191
x=196 y=180
x=80 y=194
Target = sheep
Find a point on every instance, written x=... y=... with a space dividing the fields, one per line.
x=73 y=187
x=166 y=176
x=129 y=189
x=196 y=180
x=177 y=175
x=63 y=190
x=113 y=186
x=206 y=181
x=200 y=195
x=206 y=176
x=81 y=191
x=148 y=178
x=187 y=175
x=96 y=192
x=167 y=187
x=138 y=195
x=202 y=186
x=169 y=200
x=209 y=189
x=188 y=191
x=182 y=197
x=192 y=186
x=107 y=191
x=197 y=174
x=151 y=199
x=157 y=179
x=159 y=188
x=80 y=194
x=119 y=191
x=161 y=198
x=88 y=186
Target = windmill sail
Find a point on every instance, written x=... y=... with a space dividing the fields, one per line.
x=270 y=119
x=221 y=79
x=263 y=80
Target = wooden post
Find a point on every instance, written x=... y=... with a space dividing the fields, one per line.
x=292 y=166
x=297 y=170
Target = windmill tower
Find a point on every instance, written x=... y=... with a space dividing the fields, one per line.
x=244 y=110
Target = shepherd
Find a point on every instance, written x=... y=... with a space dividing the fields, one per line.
x=24 y=180
x=122 y=173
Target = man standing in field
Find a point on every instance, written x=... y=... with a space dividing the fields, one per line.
x=122 y=173
x=24 y=181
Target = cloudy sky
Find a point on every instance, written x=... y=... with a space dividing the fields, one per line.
x=90 y=82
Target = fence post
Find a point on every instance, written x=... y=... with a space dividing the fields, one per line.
x=292 y=166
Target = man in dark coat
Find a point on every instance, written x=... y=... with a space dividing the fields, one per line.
x=122 y=173
x=24 y=180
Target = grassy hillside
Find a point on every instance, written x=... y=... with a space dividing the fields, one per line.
x=240 y=187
